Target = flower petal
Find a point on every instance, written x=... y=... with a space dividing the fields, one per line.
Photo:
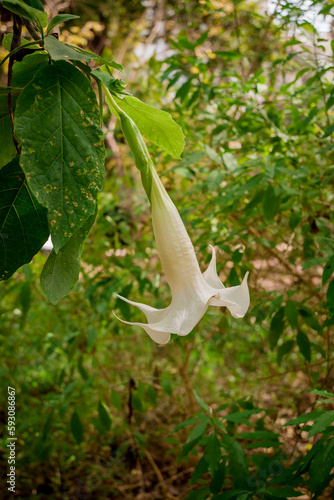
x=156 y=335
x=176 y=251
x=235 y=298
x=210 y=275
x=152 y=314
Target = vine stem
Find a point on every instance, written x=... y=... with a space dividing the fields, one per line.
x=16 y=42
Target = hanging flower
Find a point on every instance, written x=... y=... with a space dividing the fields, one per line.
x=192 y=291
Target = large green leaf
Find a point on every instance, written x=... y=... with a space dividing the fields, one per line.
x=63 y=153
x=23 y=221
x=61 y=271
x=156 y=125
x=7 y=149
x=25 y=70
x=62 y=51
x=7 y=42
x=21 y=8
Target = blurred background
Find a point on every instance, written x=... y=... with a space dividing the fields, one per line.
x=97 y=404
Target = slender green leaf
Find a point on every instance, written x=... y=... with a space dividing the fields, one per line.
x=284 y=349
x=270 y=203
x=238 y=463
x=23 y=221
x=187 y=422
x=137 y=403
x=321 y=466
x=323 y=393
x=76 y=427
x=62 y=156
x=276 y=327
x=198 y=431
x=329 y=131
x=330 y=295
x=104 y=416
x=307 y=417
x=165 y=383
x=201 y=402
x=258 y=435
x=304 y=345
x=200 y=469
x=212 y=453
x=218 y=478
x=283 y=492
x=328 y=270
x=241 y=417
x=321 y=423
x=291 y=313
x=60 y=18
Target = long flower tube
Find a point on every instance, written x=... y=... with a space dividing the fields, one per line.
x=192 y=291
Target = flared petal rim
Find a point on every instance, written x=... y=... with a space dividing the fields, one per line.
x=152 y=314
x=210 y=275
x=159 y=337
x=235 y=298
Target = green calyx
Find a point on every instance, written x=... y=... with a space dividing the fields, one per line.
x=135 y=142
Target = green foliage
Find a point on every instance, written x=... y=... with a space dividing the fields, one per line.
x=23 y=223
x=254 y=96
x=230 y=471
x=56 y=133
x=63 y=166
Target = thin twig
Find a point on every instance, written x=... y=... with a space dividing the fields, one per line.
x=159 y=475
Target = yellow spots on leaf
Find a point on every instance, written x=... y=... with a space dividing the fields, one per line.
x=71 y=164
x=194 y=70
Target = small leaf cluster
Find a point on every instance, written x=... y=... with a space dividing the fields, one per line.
x=226 y=469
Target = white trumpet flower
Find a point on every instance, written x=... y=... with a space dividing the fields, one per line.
x=192 y=291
